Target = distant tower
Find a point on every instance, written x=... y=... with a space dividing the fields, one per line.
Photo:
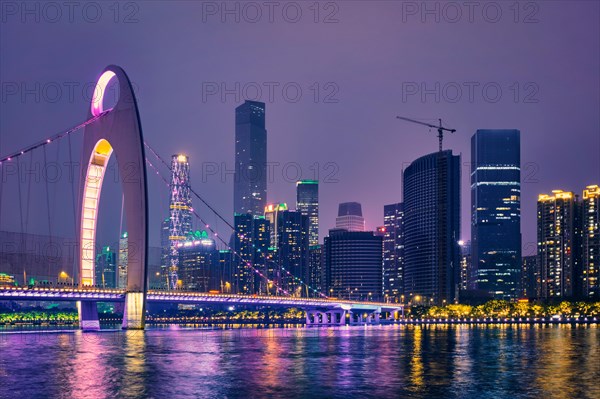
x=272 y=215
x=123 y=260
x=350 y=217
x=180 y=212
x=307 y=203
x=250 y=181
x=393 y=251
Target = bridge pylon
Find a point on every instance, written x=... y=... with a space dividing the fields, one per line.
x=116 y=130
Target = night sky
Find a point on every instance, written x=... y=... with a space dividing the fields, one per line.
x=355 y=75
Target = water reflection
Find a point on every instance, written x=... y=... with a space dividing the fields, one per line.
x=392 y=361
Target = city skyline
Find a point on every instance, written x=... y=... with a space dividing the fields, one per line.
x=188 y=124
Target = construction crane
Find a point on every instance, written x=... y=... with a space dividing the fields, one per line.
x=439 y=128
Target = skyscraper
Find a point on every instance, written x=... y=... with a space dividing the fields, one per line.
x=250 y=181
x=106 y=268
x=165 y=253
x=353 y=262
x=251 y=244
x=558 y=242
x=393 y=251
x=591 y=242
x=123 y=260
x=350 y=217
x=292 y=252
x=432 y=227
x=530 y=277
x=272 y=215
x=197 y=257
x=180 y=212
x=466 y=266
x=307 y=202
x=496 y=211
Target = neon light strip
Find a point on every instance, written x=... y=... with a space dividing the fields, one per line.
x=89 y=210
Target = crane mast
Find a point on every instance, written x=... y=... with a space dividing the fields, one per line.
x=440 y=128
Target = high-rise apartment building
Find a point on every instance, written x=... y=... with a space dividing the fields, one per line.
x=123 y=260
x=393 y=251
x=559 y=243
x=590 y=283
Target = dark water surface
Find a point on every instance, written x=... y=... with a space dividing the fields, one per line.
x=350 y=362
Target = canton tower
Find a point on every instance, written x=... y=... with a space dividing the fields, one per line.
x=180 y=213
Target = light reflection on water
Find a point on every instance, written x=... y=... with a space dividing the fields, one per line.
x=392 y=361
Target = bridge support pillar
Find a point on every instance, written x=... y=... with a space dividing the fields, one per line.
x=377 y=317
x=88 y=316
x=342 y=318
x=134 y=313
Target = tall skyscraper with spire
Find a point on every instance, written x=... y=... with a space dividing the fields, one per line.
x=250 y=181
x=180 y=213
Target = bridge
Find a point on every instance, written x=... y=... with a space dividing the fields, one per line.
x=318 y=311
x=118 y=130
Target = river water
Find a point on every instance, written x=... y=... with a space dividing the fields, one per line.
x=560 y=361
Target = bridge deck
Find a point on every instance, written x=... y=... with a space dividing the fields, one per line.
x=118 y=295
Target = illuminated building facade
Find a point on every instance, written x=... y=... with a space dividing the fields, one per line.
x=106 y=268
x=353 y=262
x=307 y=203
x=432 y=227
x=466 y=267
x=559 y=244
x=123 y=260
x=272 y=215
x=590 y=283
x=165 y=251
x=530 y=276
x=393 y=251
x=496 y=211
x=198 y=261
x=315 y=270
x=251 y=243
x=292 y=252
x=180 y=213
x=350 y=217
x=250 y=180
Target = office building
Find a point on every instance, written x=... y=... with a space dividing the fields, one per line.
x=106 y=268
x=496 y=212
x=432 y=228
x=198 y=260
x=307 y=203
x=353 y=265
x=272 y=215
x=292 y=253
x=250 y=180
x=350 y=217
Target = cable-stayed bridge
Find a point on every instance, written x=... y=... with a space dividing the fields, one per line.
x=118 y=131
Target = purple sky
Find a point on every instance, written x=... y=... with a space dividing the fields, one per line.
x=370 y=57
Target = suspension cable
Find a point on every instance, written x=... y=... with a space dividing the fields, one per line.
x=229 y=224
